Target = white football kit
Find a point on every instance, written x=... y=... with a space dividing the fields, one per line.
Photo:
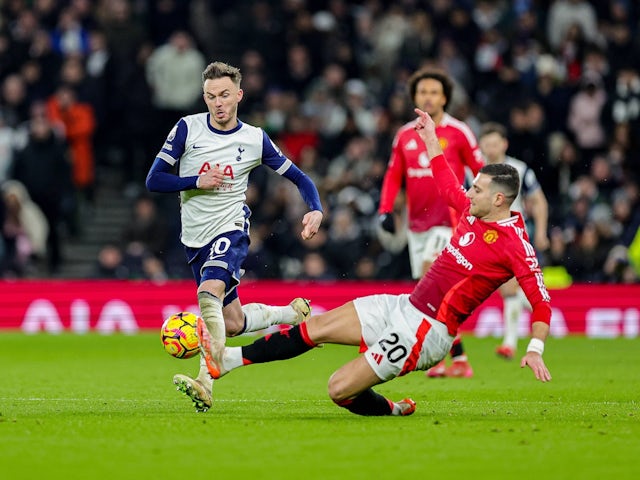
x=199 y=147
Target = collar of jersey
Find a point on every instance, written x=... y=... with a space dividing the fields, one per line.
x=222 y=132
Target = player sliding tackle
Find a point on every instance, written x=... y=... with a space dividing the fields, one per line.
x=410 y=332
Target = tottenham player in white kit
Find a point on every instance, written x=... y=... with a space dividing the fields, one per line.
x=494 y=144
x=207 y=157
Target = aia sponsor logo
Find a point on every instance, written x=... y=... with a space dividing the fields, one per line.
x=467 y=239
x=490 y=236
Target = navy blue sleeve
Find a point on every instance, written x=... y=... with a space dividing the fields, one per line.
x=305 y=186
x=273 y=158
x=161 y=177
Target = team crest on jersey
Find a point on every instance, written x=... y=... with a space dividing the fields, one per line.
x=443 y=143
x=490 y=236
x=467 y=239
x=172 y=133
x=239 y=157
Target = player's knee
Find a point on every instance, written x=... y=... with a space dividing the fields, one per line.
x=234 y=323
x=233 y=329
x=337 y=389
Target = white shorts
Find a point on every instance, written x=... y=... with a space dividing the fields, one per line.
x=398 y=337
x=426 y=246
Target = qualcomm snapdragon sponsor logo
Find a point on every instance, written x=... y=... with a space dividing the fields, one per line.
x=460 y=259
x=467 y=239
x=419 y=172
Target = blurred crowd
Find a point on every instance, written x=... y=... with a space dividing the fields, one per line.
x=87 y=85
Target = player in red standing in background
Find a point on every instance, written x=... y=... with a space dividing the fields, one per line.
x=430 y=219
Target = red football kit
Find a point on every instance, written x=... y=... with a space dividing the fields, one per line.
x=480 y=257
x=409 y=162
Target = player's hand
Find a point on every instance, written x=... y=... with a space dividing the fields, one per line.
x=535 y=362
x=311 y=224
x=211 y=179
x=387 y=222
x=426 y=129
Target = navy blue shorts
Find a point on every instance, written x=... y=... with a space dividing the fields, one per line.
x=220 y=259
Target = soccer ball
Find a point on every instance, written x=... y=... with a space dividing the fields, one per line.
x=178 y=335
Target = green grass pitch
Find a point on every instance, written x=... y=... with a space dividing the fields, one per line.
x=104 y=407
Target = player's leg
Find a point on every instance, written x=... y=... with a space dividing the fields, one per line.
x=258 y=316
x=340 y=325
x=415 y=244
x=393 y=348
x=198 y=389
x=512 y=309
x=215 y=268
x=350 y=388
x=460 y=366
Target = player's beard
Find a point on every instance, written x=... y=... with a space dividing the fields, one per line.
x=228 y=118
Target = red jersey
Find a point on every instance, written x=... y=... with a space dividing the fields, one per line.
x=479 y=258
x=409 y=162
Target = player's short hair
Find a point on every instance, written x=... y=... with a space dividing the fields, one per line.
x=493 y=127
x=504 y=178
x=219 y=70
x=434 y=74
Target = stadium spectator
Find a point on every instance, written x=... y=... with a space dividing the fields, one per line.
x=532 y=81
x=24 y=230
x=585 y=113
x=429 y=219
x=172 y=73
x=42 y=166
x=147 y=227
x=14 y=101
x=69 y=37
x=399 y=334
x=7 y=146
x=215 y=217
x=567 y=14
x=109 y=264
x=79 y=124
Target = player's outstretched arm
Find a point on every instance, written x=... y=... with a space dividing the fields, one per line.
x=533 y=357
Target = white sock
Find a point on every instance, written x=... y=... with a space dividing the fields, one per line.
x=232 y=358
x=259 y=316
x=211 y=311
x=203 y=375
x=512 y=311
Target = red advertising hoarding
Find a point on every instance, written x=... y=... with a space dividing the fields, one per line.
x=129 y=306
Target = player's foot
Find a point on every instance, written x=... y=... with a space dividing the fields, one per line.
x=404 y=407
x=195 y=390
x=460 y=369
x=505 y=352
x=214 y=365
x=302 y=307
x=437 y=370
